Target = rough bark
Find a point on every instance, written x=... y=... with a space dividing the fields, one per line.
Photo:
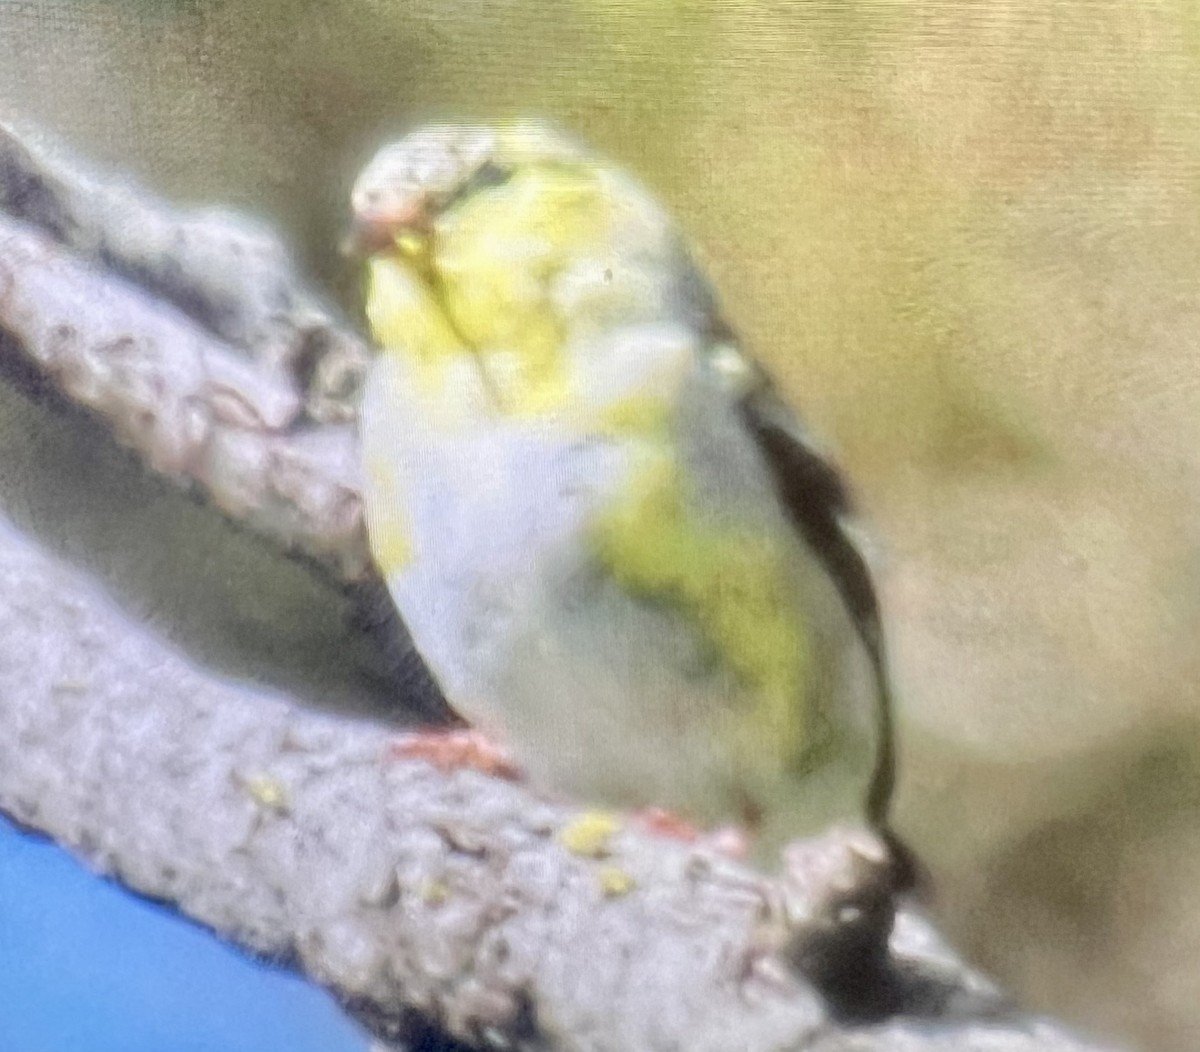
x=190 y=336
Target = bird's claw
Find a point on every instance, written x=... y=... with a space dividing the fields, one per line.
x=457 y=749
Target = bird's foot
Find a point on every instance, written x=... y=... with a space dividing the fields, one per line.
x=725 y=840
x=456 y=749
x=659 y=822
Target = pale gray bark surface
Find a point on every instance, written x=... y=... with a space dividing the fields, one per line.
x=199 y=382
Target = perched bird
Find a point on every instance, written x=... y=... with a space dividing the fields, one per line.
x=612 y=542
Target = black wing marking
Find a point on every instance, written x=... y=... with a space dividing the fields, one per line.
x=818 y=503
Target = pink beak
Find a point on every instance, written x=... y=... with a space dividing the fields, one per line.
x=372 y=231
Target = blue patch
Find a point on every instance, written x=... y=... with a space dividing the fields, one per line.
x=87 y=967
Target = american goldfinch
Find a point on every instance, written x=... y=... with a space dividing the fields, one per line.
x=612 y=542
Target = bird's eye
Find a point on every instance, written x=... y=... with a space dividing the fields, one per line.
x=489 y=173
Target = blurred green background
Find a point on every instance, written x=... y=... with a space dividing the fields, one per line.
x=966 y=236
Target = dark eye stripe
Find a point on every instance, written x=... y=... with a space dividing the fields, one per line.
x=487 y=174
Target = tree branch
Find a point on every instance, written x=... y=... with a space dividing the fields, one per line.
x=227 y=417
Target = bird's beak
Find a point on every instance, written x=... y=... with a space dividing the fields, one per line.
x=367 y=235
x=372 y=231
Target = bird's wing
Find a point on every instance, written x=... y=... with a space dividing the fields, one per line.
x=813 y=494
x=817 y=501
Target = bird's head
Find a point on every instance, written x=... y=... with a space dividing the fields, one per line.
x=516 y=247
x=408 y=183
